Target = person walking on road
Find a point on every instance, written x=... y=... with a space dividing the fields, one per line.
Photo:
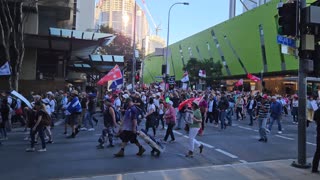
x=316 y=157
x=129 y=129
x=262 y=118
x=251 y=105
x=109 y=119
x=39 y=127
x=294 y=111
x=170 y=118
x=74 y=109
x=151 y=118
x=194 y=128
x=275 y=114
x=223 y=106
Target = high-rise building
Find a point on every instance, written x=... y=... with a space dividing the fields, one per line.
x=118 y=15
x=85 y=15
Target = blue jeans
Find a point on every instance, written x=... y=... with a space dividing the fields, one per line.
x=180 y=119
x=262 y=124
x=40 y=131
x=229 y=116
x=88 y=118
x=250 y=112
x=222 y=116
x=272 y=119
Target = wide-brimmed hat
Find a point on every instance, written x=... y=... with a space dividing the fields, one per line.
x=196 y=102
x=75 y=92
x=265 y=96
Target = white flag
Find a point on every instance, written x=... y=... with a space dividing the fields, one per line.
x=5 y=69
x=185 y=77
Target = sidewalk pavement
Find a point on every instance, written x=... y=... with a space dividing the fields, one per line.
x=267 y=170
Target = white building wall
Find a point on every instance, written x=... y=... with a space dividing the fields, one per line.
x=85 y=15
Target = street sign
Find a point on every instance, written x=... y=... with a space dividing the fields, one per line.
x=286 y=41
x=158 y=77
x=172 y=80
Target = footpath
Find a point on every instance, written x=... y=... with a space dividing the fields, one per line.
x=267 y=170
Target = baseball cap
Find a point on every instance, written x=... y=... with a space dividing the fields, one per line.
x=265 y=96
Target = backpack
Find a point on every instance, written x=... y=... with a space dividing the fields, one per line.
x=156 y=112
x=117 y=115
x=46 y=119
x=13 y=105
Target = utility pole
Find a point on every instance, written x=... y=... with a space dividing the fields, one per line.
x=302 y=93
x=134 y=47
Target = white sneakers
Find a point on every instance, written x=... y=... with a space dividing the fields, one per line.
x=42 y=150
x=85 y=129
x=34 y=149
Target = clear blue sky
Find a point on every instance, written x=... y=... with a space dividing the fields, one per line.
x=187 y=20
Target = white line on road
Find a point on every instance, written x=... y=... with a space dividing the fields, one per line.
x=227 y=153
x=283 y=137
x=178 y=133
x=246 y=128
x=205 y=144
x=243 y=161
x=311 y=144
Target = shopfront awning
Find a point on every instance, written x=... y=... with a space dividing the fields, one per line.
x=96 y=63
x=69 y=40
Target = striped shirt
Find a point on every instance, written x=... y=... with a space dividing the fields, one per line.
x=264 y=109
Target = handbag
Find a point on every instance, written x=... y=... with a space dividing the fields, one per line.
x=187 y=127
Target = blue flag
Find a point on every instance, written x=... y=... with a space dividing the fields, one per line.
x=116 y=84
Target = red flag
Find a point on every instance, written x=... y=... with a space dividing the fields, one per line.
x=239 y=83
x=253 y=78
x=112 y=75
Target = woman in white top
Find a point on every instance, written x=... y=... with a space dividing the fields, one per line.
x=151 y=117
x=161 y=113
x=294 y=111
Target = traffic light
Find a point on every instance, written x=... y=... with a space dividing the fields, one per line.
x=128 y=65
x=137 y=77
x=287 y=19
x=138 y=65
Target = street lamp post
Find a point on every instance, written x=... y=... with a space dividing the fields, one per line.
x=168 y=31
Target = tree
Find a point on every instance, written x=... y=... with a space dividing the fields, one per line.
x=121 y=45
x=11 y=36
x=13 y=15
x=213 y=70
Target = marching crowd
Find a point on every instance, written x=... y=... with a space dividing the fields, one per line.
x=124 y=111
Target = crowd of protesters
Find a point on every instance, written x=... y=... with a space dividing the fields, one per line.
x=124 y=111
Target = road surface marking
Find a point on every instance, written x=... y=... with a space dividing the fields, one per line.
x=227 y=153
x=243 y=161
x=246 y=128
x=285 y=137
x=311 y=144
x=186 y=136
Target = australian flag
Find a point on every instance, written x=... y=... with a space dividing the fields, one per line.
x=116 y=84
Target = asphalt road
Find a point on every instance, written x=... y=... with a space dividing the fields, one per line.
x=78 y=157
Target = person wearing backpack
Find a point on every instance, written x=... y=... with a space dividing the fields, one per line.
x=110 y=122
x=42 y=120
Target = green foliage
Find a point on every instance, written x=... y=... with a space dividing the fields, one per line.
x=213 y=69
x=121 y=45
